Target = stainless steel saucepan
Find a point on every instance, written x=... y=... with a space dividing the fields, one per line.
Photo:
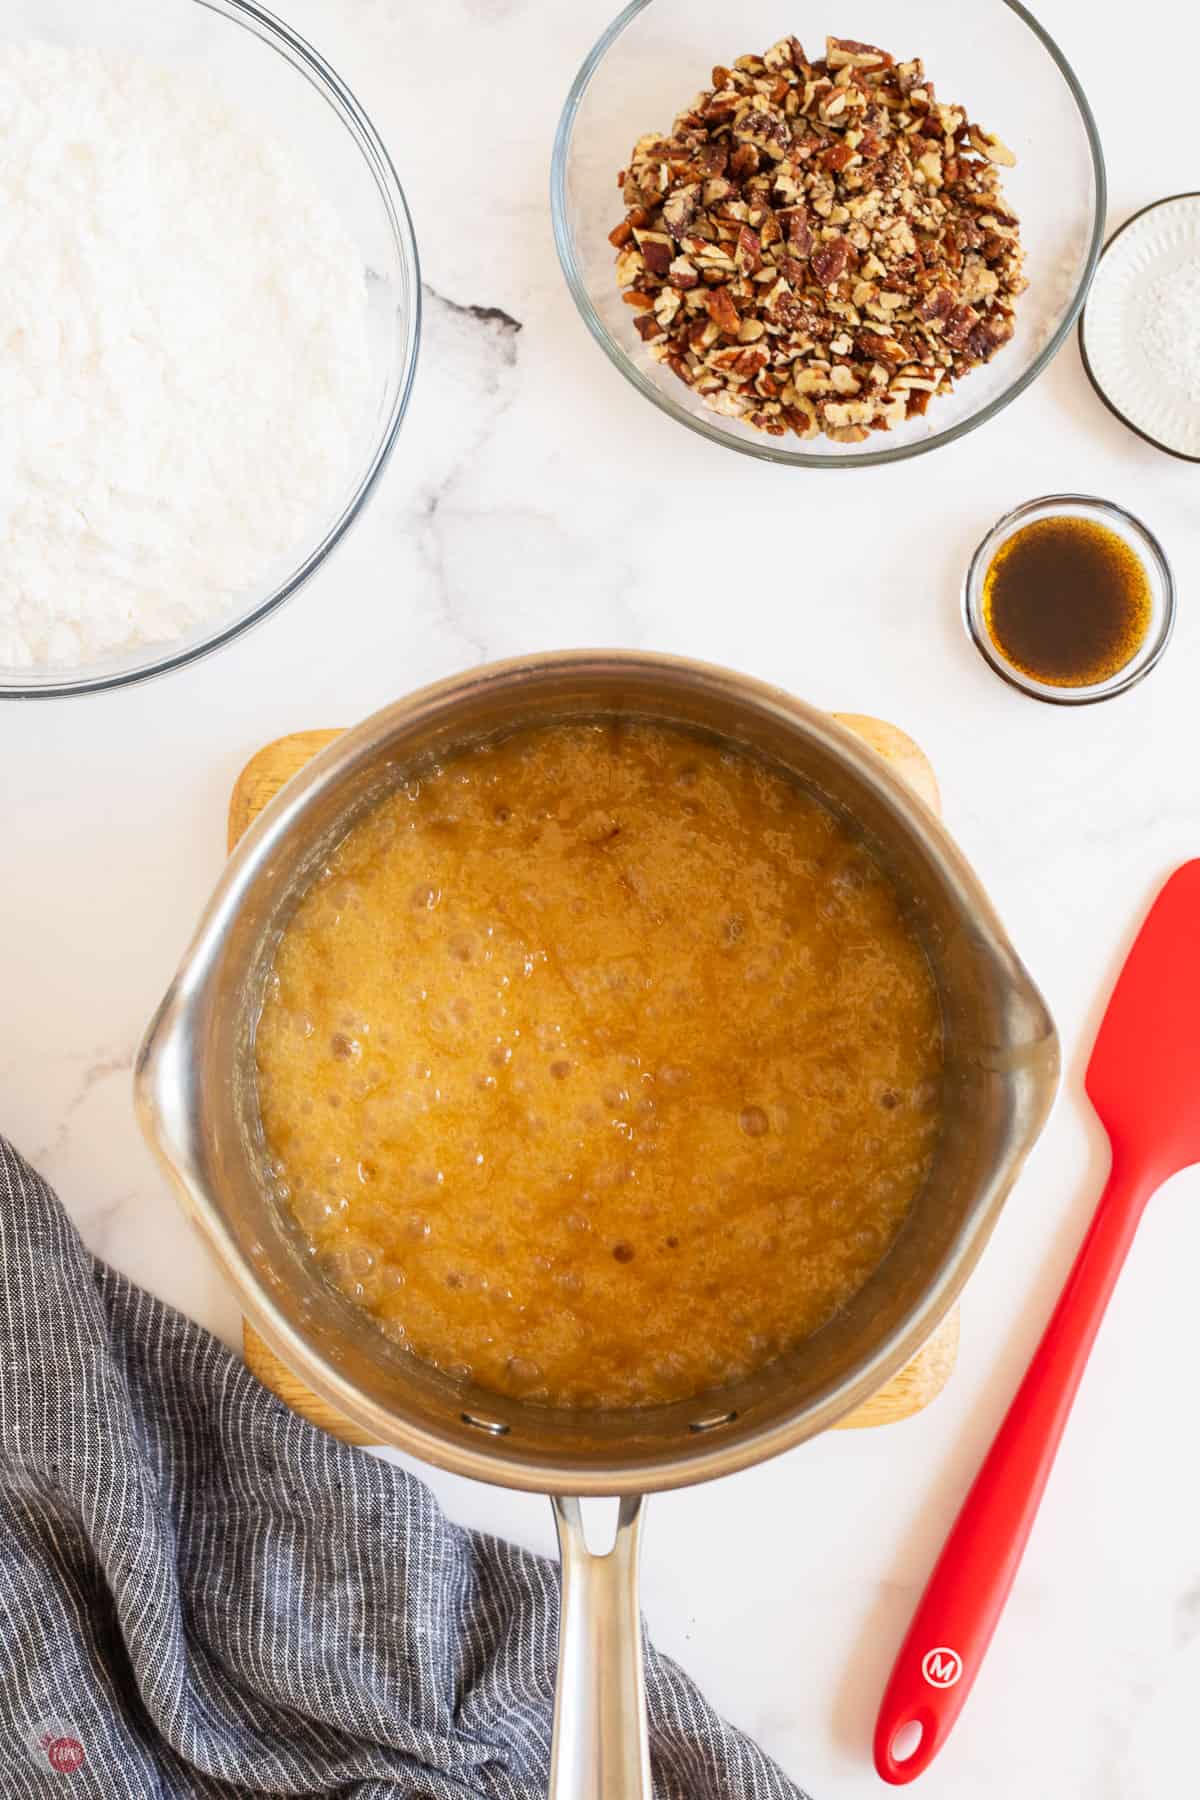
x=196 y=1099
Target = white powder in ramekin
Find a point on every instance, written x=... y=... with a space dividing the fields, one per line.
x=1171 y=330
x=183 y=356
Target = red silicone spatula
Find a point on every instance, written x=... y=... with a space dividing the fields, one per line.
x=1144 y=1081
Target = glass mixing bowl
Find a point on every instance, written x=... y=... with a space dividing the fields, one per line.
x=990 y=56
x=271 y=75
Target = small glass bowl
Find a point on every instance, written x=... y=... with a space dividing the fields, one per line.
x=269 y=74
x=1149 y=553
x=992 y=56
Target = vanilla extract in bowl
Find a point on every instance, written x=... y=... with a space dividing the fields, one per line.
x=1067 y=601
x=1070 y=599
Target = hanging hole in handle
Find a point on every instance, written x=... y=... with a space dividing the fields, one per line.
x=494 y=1426
x=907 y=1741
x=713 y=1420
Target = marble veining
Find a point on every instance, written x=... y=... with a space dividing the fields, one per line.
x=99 y=1067
x=473 y=351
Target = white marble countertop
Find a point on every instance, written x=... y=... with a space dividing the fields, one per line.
x=526 y=508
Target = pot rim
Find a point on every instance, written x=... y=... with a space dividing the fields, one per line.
x=169 y=1123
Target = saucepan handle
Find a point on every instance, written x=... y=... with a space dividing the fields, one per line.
x=600 y=1749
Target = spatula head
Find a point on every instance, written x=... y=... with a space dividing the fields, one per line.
x=1144 y=1076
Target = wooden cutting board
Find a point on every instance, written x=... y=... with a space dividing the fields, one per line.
x=919 y=1382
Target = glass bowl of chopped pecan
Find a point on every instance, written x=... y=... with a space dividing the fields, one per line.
x=821 y=250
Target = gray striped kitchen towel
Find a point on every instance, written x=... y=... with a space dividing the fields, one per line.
x=202 y=1595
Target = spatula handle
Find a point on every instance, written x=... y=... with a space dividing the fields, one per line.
x=958 y=1612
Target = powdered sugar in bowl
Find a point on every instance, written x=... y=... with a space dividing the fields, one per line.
x=212 y=334
x=1139 y=334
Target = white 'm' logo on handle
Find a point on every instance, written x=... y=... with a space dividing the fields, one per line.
x=941 y=1667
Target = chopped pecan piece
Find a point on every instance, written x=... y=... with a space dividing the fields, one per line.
x=748 y=255
x=846 y=53
x=960 y=322
x=721 y=106
x=744 y=162
x=848 y=412
x=936 y=305
x=837 y=156
x=882 y=349
x=657 y=250
x=799 y=231
x=722 y=311
x=679 y=211
x=765 y=130
x=909 y=75
x=829 y=261
x=991 y=147
x=985 y=339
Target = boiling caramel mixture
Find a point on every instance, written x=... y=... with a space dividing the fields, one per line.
x=600 y=1065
